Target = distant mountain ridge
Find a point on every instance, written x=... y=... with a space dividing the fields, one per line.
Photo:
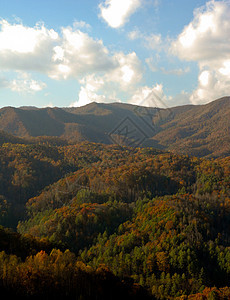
x=201 y=130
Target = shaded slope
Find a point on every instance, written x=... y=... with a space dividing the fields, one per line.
x=201 y=130
x=9 y=138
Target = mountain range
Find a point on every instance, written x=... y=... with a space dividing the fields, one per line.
x=200 y=130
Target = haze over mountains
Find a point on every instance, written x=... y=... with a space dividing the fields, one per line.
x=201 y=130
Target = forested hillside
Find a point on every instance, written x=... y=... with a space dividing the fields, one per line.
x=200 y=130
x=98 y=221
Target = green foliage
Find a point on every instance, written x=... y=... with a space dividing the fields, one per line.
x=173 y=246
x=60 y=276
x=156 y=220
x=77 y=225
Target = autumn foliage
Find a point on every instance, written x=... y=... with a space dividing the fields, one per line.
x=98 y=222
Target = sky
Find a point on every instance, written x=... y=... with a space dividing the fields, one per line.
x=67 y=53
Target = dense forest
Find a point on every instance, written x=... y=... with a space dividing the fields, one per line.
x=94 y=221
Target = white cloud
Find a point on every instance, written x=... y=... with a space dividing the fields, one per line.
x=22 y=83
x=26 y=48
x=204 y=78
x=211 y=85
x=150 y=96
x=153 y=41
x=183 y=98
x=105 y=88
x=155 y=97
x=78 y=55
x=87 y=96
x=69 y=54
x=150 y=41
x=133 y=35
x=152 y=63
x=207 y=40
x=92 y=82
x=207 y=36
x=117 y=12
x=21 y=39
x=25 y=84
x=48 y=105
x=92 y=91
x=225 y=70
x=58 y=53
x=128 y=72
x=72 y=54
x=81 y=24
x=177 y=71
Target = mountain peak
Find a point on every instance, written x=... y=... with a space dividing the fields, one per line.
x=201 y=130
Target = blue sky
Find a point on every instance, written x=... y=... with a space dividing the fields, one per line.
x=70 y=53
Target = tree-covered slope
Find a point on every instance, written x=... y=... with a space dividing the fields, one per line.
x=200 y=130
x=102 y=221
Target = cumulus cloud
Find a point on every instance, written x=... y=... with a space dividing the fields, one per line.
x=89 y=91
x=211 y=85
x=128 y=71
x=79 y=54
x=22 y=83
x=71 y=53
x=117 y=12
x=150 y=96
x=125 y=74
x=21 y=39
x=87 y=96
x=26 y=48
x=92 y=90
x=104 y=88
x=207 y=36
x=25 y=84
x=207 y=40
x=154 y=96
